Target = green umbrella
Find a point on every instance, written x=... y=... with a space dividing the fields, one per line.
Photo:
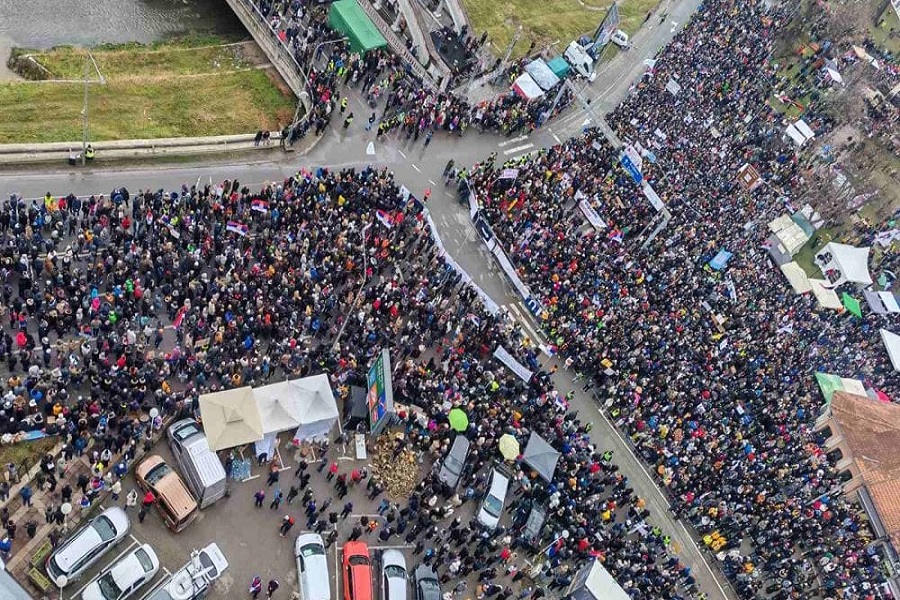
x=458 y=419
x=851 y=304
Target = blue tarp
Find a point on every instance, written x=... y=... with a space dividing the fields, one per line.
x=720 y=260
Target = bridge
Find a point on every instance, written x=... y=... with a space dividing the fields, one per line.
x=291 y=71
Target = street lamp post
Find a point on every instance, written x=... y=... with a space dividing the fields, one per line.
x=84 y=111
x=349 y=315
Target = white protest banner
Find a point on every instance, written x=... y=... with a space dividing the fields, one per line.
x=510 y=361
x=672 y=87
x=591 y=215
x=652 y=196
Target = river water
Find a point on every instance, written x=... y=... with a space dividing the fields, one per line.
x=46 y=23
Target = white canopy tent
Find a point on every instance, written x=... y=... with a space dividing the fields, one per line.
x=826 y=296
x=527 y=88
x=892 y=345
x=797 y=277
x=849 y=263
x=882 y=302
x=306 y=405
x=541 y=456
x=230 y=418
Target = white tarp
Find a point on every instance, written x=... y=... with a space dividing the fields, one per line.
x=789 y=234
x=797 y=277
x=266 y=446
x=542 y=74
x=526 y=87
x=804 y=129
x=892 y=345
x=834 y=75
x=795 y=135
x=881 y=302
x=853 y=386
x=824 y=294
x=851 y=263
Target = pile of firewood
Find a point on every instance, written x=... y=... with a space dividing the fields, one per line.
x=400 y=473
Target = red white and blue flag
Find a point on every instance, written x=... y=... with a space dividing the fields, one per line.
x=385 y=217
x=259 y=205
x=238 y=228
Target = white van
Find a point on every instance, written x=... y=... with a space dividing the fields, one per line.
x=312 y=567
x=492 y=505
x=202 y=469
x=194 y=580
x=580 y=60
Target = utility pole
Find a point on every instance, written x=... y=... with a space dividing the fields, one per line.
x=84 y=110
x=305 y=73
x=509 y=50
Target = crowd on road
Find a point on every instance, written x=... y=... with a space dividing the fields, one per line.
x=396 y=98
x=133 y=301
x=710 y=373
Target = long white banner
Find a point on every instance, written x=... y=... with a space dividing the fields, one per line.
x=503 y=355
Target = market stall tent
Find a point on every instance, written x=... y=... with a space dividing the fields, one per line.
x=826 y=296
x=849 y=263
x=542 y=74
x=882 y=302
x=540 y=456
x=230 y=418
x=797 y=277
x=892 y=345
x=348 y=18
x=526 y=87
x=306 y=405
x=559 y=66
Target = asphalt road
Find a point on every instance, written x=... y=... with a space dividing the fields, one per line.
x=420 y=168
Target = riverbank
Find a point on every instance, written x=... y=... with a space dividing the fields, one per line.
x=195 y=86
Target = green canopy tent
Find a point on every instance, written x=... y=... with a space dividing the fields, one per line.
x=559 y=66
x=346 y=17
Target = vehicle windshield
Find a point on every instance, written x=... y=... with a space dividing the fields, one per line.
x=104 y=528
x=358 y=560
x=493 y=505
x=186 y=432
x=452 y=464
x=394 y=571
x=157 y=473
x=144 y=559
x=314 y=550
x=207 y=564
x=108 y=587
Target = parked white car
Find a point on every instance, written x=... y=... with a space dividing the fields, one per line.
x=492 y=505
x=394 y=576
x=124 y=577
x=620 y=39
x=312 y=567
x=69 y=561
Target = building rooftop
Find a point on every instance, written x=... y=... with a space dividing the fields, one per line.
x=871 y=430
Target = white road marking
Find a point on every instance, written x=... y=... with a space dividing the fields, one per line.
x=401 y=152
x=523 y=320
x=512 y=141
x=431 y=181
x=556 y=137
x=516 y=149
x=417 y=168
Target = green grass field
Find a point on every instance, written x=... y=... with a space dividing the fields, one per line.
x=548 y=21
x=182 y=88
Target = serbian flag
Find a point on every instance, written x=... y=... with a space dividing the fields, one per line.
x=259 y=205
x=238 y=228
x=385 y=217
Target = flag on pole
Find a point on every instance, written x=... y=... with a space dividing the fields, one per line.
x=238 y=228
x=259 y=205
x=176 y=323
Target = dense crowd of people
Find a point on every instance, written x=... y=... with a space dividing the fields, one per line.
x=124 y=303
x=398 y=99
x=710 y=373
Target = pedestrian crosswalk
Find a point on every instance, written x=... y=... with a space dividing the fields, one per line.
x=521 y=315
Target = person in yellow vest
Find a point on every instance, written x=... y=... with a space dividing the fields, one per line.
x=89 y=152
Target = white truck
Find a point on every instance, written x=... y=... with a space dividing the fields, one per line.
x=193 y=580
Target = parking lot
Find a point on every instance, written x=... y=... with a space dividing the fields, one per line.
x=248 y=536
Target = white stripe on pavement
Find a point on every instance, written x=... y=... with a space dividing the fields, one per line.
x=518 y=149
x=513 y=141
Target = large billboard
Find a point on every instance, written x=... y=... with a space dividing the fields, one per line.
x=607 y=26
x=380 y=396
